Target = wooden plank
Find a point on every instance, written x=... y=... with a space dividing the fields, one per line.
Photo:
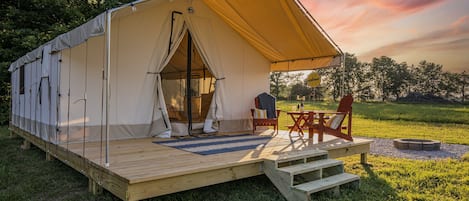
x=327 y=183
x=295 y=155
x=349 y=150
x=159 y=187
x=308 y=167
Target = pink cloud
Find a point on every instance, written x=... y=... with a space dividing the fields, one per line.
x=462 y=20
x=406 y=6
x=454 y=36
x=346 y=17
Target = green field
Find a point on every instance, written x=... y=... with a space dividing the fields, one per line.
x=26 y=175
x=448 y=123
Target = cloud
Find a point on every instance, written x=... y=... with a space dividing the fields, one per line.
x=356 y=15
x=448 y=46
x=347 y=22
x=457 y=44
x=453 y=37
x=406 y=6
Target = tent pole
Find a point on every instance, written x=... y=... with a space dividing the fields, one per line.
x=188 y=83
x=342 y=93
x=108 y=75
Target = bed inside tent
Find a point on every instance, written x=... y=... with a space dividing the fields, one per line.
x=187 y=79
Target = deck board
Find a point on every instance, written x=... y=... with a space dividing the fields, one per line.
x=140 y=160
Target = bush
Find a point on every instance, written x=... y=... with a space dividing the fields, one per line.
x=4 y=103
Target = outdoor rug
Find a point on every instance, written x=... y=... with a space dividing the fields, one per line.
x=217 y=144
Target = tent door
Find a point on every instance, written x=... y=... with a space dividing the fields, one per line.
x=188 y=86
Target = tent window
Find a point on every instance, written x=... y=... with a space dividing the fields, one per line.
x=21 y=79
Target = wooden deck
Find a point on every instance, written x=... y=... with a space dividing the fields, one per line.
x=141 y=169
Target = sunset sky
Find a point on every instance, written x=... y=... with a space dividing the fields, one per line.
x=405 y=30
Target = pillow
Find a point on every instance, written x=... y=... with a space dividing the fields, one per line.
x=260 y=114
x=334 y=121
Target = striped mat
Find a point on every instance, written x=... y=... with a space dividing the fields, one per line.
x=217 y=144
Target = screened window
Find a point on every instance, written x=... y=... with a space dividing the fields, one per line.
x=22 y=80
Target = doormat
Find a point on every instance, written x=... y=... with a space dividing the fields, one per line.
x=217 y=144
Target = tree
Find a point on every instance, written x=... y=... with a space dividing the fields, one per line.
x=391 y=78
x=428 y=77
x=299 y=89
x=398 y=76
x=380 y=68
x=332 y=81
x=357 y=78
x=353 y=78
x=450 y=84
x=464 y=83
x=278 y=83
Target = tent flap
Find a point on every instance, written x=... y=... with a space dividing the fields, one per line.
x=280 y=30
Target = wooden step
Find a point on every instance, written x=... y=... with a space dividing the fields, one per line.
x=293 y=158
x=326 y=183
x=308 y=167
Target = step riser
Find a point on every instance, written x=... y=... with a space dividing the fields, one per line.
x=306 y=177
x=331 y=171
x=316 y=158
x=314 y=175
x=290 y=163
x=303 y=159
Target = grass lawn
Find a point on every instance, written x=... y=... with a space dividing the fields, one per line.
x=447 y=123
x=26 y=175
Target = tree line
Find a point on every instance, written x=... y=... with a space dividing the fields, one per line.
x=383 y=79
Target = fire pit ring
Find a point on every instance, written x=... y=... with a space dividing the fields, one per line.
x=417 y=144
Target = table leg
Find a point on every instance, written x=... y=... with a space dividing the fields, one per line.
x=296 y=125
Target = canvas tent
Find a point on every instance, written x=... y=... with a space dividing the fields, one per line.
x=124 y=72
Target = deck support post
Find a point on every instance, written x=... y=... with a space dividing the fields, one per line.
x=94 y=187
x=363 y=159
x=12 y=134
x=49 y=156
x=26 y=145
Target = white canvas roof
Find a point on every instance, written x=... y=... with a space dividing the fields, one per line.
x=282 y=30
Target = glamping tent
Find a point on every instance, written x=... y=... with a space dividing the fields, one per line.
x=162 y=68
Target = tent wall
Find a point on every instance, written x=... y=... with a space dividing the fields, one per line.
x=31 y=110
x=81 y=74
x=133 y=41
